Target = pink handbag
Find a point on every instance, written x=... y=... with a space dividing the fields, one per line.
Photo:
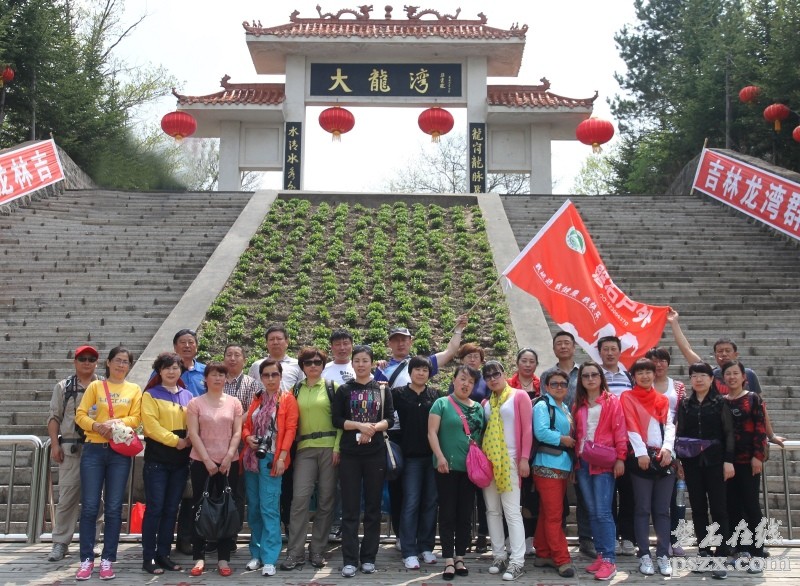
x=598 y=454
x=479 y=468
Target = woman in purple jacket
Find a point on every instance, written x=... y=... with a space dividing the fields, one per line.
x=600 y=437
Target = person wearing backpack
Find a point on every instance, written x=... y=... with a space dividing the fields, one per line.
x=66 y=444
x=507 y=444
x=601 y=438
x=552 y=468
x=315 y=463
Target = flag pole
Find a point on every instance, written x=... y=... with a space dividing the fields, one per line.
x=484 y=295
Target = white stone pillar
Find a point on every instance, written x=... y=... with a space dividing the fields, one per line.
x=541 y=160
x=230 y=177
x=294 y=104
x=477 y=108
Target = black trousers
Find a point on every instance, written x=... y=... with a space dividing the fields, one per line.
x=456 y=498
x=707 y=490
x=623 y=508
x=743 y=504
x=361 y=475
x=199 y=474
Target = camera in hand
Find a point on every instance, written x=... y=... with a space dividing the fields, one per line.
x=263 y=446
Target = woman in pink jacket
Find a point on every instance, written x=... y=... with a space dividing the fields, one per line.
x=601 y=441
x=507 y=443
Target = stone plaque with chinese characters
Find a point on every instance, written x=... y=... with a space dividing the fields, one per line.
x=436 y=80
x=292 y=153
x=477 y=157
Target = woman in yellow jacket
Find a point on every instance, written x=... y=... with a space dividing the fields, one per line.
x=100 y=465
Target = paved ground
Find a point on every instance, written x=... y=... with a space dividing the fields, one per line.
x=26 y=564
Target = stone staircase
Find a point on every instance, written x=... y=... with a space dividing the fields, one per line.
x=97 y=267
x=725 y=274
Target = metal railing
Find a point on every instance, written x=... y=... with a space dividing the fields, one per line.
x=36 y=486
x=41 y=493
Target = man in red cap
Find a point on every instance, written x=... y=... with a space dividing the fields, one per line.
x=65 y=447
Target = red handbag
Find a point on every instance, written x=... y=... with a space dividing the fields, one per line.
x=130 y=450
x=479 y=468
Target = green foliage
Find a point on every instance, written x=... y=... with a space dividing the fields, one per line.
x=686 y=61
x=390 y=267
x=69 y=85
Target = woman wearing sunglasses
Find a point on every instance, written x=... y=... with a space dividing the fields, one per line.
x=507 y=444
x=602 y=446
x=315 y=462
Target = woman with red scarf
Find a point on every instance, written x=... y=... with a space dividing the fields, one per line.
x=268 y=433
x=651 y=435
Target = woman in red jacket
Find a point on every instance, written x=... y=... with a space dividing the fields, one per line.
x=601 y=441
x=268 y=432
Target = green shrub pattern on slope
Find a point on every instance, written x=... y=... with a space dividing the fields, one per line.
x=316 y=268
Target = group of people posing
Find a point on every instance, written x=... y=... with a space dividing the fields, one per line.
x=296 y=429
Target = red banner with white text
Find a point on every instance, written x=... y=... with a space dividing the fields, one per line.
x=28 y=168
x=760 y=194
x=563 y=270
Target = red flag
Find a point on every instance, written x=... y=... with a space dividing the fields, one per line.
x=563 y=270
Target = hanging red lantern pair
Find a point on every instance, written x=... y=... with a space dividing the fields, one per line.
x=179 y=125
x=776 y=113
x=337 y=121
x=594 y=132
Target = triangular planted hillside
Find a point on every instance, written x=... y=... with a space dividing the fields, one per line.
x=316 y=267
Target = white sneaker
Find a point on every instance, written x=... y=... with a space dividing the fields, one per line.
x=646 y=565
x=253 y=564
x=628 y=548
x=348 y=571
x=428 y=557
x=411 y=562
x=664 y=567
x=368 y=568
x=268 y=570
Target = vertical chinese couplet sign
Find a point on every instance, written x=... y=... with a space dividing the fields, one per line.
x=760 y=194
x=563 y=270
x=292 y=153
x=477 y=157
x=28 y=168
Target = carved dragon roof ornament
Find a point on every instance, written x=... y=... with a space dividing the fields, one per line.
x=413 y=15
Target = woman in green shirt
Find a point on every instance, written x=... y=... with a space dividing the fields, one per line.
x=316 y=462
x=450 y=445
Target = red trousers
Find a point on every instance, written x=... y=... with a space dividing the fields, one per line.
x=550 y=541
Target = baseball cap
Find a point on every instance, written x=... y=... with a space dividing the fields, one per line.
x=86 y=350
x=399 y=331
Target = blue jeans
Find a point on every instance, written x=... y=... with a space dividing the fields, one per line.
x=163 y=488
x=598 y=493
x=100 y=465
x=263 y=512
x=418 y=513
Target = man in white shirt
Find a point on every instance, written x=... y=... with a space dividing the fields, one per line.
x=277 y=345
x=340 y=370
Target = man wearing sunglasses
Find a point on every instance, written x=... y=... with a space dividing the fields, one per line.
x=65 y=447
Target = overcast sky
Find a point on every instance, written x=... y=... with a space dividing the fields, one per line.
x=198 y=41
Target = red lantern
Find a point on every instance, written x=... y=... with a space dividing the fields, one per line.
x=749 y=94
x=337 y=121
x=594 y=132
x=7 y=75
x=776 y=113
x=178 y=125
x=436 y=122
x=796 y=134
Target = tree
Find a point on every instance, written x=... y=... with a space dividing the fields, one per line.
x=596 y=176
x=69 y=86
x=442 y=168
x=686 y=61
